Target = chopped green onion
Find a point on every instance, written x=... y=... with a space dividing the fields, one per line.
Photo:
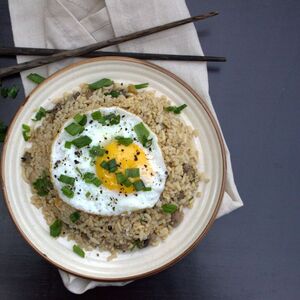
x=121 y=178
x=26 y=136
x=36 y=78
x=113 y=94
x=112 y=119
x=104 y=165
x=74 y=129
x=175 y=109
x=43 y=185
x=78 y=251
x=91 y=178
x=87 y=194
x=3 y=130
x=80 y=119
x=96 y=115
x=100 y=84
x=132 y=172
x=67 y=179
x=67 y=192
x=40 y=114
x=141 y=86
x=68 y=145
x=26 y=132
x=123 y=140
x=4 y=92
x=169 y=208
x=110 y=165
x=82 y=141
x=75 y=216
x=55 y=228
x=26 y=127
x=127 y=183
x=96 y=182
x=143 y=133
x=96 y=151
x=88 y=177
x=13 y=92
x=139 y=185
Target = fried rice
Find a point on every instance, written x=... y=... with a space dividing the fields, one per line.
x=129 y=231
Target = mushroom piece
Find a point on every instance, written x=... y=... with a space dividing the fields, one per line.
x=26 y=158
x=141 y=244
x=176 y=218
x=181 y=195
x=76 y=95
x=188 y=169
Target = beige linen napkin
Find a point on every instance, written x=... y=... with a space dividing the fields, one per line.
x=73 y=23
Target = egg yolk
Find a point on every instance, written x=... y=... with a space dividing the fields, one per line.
x=127 y=157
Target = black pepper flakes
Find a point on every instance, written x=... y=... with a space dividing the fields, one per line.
x=56 y=164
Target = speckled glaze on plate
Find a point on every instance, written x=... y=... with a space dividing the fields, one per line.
x=144 y=262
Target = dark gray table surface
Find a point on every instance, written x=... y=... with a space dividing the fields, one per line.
x=253 y=253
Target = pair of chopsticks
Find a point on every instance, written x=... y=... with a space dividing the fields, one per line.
x=53 y=55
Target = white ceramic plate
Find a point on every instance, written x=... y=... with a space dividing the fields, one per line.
x=147 y=261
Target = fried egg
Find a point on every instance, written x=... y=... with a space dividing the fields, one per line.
x=107 y=162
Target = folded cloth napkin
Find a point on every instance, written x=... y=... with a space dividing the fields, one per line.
x=74 y=23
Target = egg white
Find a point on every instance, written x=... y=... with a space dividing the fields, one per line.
x=103 y=201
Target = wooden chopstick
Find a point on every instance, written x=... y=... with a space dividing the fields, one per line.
x=12 y=51
x=4 y=72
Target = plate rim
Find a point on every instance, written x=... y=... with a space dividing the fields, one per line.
x=216 y=129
